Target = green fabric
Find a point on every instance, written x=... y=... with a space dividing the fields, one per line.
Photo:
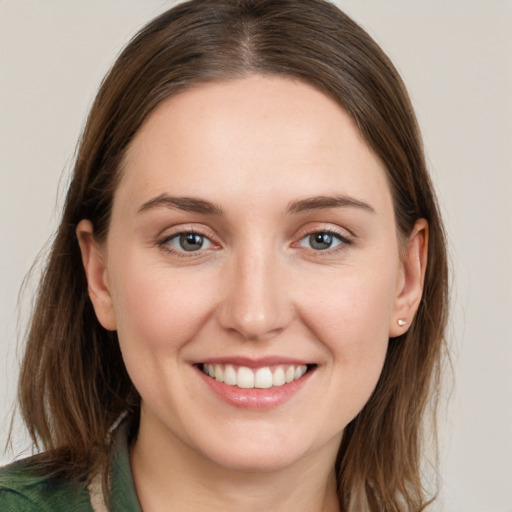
x=123 y=497
x=23 y=490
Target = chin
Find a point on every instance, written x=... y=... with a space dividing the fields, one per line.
x=268 y=452
x=256 y=460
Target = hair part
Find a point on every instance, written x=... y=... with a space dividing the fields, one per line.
x=73 y=383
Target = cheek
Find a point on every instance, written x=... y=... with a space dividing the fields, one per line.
x=157 y=315
x=352 y=320
x=157 y=311
x=352 y=306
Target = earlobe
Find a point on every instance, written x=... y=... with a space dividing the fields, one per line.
x=410 y=280
x=93 y=259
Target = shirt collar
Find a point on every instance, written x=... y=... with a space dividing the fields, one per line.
x=123 y=496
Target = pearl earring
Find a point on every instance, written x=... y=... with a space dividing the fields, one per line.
x=401 y=322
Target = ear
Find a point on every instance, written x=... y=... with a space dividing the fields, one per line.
x=93 y=259
x=411 y=277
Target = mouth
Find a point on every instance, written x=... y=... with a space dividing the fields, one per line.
x=265 y=377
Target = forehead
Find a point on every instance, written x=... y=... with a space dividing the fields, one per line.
x=256 y=136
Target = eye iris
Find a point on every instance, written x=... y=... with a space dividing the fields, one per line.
x=320 y=241
x=191 y=241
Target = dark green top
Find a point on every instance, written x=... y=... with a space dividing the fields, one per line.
x=23 y=490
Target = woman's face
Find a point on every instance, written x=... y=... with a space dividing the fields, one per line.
x=252 y=237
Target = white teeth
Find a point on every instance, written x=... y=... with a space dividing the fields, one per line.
x=230 y=375
x=219 y=373
x=299 y=372
x=245 y=378
x=262 y=378
x=278 y=377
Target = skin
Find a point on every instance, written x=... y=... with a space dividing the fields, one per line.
x=253 y=147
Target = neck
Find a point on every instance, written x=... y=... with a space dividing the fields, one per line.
x=169 y=475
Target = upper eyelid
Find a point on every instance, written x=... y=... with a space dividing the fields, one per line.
x=333 y=229
x=173 y=231
x=169 y=234
x=179 y=234
x=324 y=230
x=345 y=244
x=344 y=235
x=164 y=244
x=172 y=236
x=345 y=240
x=342 y=232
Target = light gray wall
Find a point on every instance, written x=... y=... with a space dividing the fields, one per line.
x=456 y=59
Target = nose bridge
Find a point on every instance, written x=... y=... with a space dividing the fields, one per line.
x=256 y=303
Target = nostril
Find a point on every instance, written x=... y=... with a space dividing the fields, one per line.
x=254 y=327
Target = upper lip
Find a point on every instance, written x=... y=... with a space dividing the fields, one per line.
x=254 y=362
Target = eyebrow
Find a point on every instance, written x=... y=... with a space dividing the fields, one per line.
x=322 y=202
x=188 y=204
x=196 y=205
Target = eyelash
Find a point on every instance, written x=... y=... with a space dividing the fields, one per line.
x=344 y=241
x=165 y=244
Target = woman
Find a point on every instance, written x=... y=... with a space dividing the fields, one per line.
x=245 y=302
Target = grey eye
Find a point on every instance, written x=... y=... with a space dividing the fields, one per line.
x=321 y=241
x=189 y=242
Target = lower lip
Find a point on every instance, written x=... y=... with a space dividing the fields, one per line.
x=255 y=398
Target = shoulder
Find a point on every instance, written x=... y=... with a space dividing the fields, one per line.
x=24 y=489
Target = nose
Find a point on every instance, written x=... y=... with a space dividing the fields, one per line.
x=256 y=303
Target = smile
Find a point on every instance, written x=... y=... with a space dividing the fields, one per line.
x=261 y=378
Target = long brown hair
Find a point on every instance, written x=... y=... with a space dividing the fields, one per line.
x=73 y=383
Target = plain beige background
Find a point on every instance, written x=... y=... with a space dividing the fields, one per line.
x=456 y=59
